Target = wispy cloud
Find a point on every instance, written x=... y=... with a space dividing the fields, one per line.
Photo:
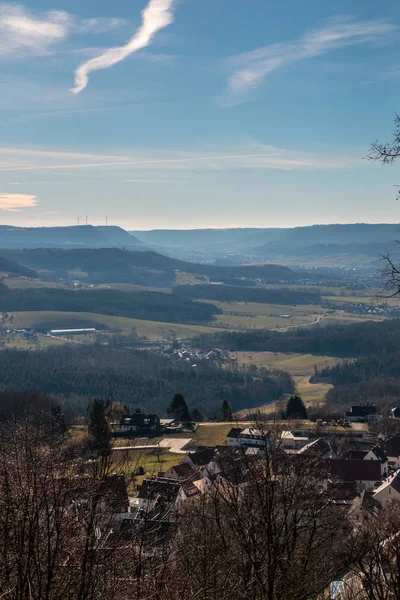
x=249 y=155
x=251 y=68
x=16 y=202
x=22 y=31
x=157 y=15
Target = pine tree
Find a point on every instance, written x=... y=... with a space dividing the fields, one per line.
x=295 y=408
x=197 y=415
x=178 y=409
x=98 y=427
x=226 y=412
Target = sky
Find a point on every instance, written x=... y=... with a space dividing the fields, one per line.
x=191 y=114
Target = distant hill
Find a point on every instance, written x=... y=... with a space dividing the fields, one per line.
x=144 y=268
x=273 y=238
x=10 y=267
x=84 y=236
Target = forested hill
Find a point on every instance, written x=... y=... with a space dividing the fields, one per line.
x=114 y=264
x=356 y=339
x=9 y=267
x=79 y=372
x=84 y=236
x=153 y=306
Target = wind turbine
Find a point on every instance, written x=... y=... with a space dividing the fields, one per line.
x=78 y=219
x=86 y=217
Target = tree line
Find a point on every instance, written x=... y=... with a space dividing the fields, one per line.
x=234 y=293
x=355 y=339
x=153 y=306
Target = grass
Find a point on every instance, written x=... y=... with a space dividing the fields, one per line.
x=301 y=368
x=152 y=462
x=210 y=434
x=153 y=330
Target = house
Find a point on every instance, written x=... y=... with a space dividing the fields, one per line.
x=317 y=447
x=110 y=493
x=391 y=447
x=181 y=472
x=365 y=473
x=291 y=441
x=395 y=412
x=140 y=424
x=389 y=490
x=199 y=460
x=362 y=412
x=375 y=453
x=160 y=497
x=252 y=437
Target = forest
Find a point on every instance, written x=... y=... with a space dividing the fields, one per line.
x=352 y=340
x=77 y=373
x=154 y=306
x=234 y=293
x=366 y=368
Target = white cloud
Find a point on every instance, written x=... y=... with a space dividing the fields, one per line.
x=155 y=16
x=251 y=68
x=16 y=202
x=22 y=31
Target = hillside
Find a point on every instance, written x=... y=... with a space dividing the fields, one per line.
x=357 y=233
x=145 y=267
x=9 y=267
x=84 y=236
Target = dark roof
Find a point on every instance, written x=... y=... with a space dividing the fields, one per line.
x=392 y=445
x=202 y=457
x=112 y=489
x=356 y=454
x=362 y=410
x=234 y=432
x=356 y=470
x=379 y=453
x=395 y=483
x=159 y=487
x=183 y=470
x=115 y=491
x=342 y=490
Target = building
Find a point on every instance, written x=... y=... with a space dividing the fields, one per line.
x=389 y=490
x=85 y=331
x=140 y=424
x=365 y=473
x=362 y=412
x=289 y=440
x=375 y=453
x=252 y=437
x=395 y=412
x=391 y=447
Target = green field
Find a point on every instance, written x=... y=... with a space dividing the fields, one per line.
x=153 y=330
x=300 y=366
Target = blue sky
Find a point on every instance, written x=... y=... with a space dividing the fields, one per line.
x=188 y=113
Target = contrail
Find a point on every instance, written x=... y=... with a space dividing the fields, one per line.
x=137 y=162
x=155 y=16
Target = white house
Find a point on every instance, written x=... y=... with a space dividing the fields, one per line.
x=392 y=450
x=389 y=490
x=251 y=437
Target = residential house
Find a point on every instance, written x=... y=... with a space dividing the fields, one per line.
x=252 y=437
x=140 y=424
x=375 y=453
x=365 y=473
x=362 y=413
x=317 y=447
x=160 y=497
x=199 y=460
x=391 y=447
x=389 y=490
x=181 y=472
x=291 y=441
x=395 y=412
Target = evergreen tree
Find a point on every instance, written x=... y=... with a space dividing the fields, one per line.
x=98 y=428
x=178 y=409
x=295 y=408
x=197 y=415
x=226 y=412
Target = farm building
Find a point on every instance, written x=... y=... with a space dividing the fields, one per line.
x=72 y=331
